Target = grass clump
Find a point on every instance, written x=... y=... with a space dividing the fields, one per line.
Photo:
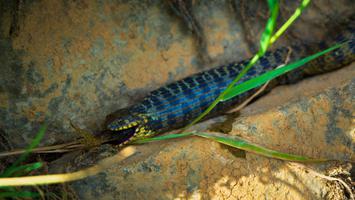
x=17 y=169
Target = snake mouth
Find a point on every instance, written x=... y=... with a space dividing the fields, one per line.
x=118 y=137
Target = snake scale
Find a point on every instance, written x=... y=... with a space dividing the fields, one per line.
x=177 y=104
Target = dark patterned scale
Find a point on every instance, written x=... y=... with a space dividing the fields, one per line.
x=179 y=102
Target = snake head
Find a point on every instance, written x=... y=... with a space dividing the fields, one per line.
x=127 y=126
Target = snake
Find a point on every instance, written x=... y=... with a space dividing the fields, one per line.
x=175 y=105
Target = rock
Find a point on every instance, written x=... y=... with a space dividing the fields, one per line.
x=99 y=57
x=322 y=124
x=315 y=123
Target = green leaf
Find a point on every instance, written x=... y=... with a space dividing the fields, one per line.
x=236 y=142
x=24 y=169
x=270 y=26
x=258 y=81
x=159 y=138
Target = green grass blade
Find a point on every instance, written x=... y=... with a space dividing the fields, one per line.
x=244 y=145
x=159 y=138
x=290 y=21
x=235 y=142
x=266 y=34
x=270 y=26
x=24 y=156
x=24 y=169
x=258 y=81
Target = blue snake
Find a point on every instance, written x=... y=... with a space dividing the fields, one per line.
x=177 y=104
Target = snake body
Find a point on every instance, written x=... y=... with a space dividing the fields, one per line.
x=177 y=104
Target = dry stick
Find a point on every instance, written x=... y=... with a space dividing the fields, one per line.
x=61 y=178
x=47 y=149
x=59 y=148
x=329 y=178
x=260 y=90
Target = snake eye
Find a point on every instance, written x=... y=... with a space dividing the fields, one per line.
x=125 y=125
x=124 y=128
x=126 y=121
